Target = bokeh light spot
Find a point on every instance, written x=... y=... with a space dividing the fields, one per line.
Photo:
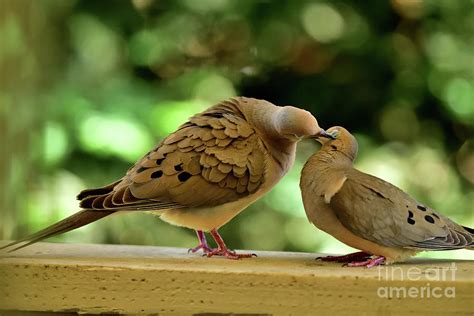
x=443 y=50
x=286 y=195
x=55 y=143
x=275 y=48
x=168 y=115
x=399 y=123
x=214 y=88
x=106 y=135
x=96 y=44
x=323 y=22
x=140 y=47
x=459 y=97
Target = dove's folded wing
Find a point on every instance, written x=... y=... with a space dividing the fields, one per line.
x=214 y=158
x=380 y=212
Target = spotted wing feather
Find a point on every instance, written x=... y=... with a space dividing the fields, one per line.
x=379 y=211
x=214 y=158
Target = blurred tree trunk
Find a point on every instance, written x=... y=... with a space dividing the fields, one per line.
x=26 y=53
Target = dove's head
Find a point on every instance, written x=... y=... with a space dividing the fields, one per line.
x=295 y=124
x=343 y=142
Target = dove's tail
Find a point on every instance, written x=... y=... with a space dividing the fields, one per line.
x=471 y=231
x=74 y=221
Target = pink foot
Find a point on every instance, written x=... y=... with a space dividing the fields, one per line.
x=229 y=254
x=376 y=261
x=222 y=249
x=206 y=249
x=356 y=256
x=202 y=244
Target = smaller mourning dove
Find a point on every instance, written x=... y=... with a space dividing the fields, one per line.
x=205 y=173
x=368 y=213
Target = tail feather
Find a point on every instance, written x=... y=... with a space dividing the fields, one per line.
x=97 y=191
x=74 y=221
x=471 y=230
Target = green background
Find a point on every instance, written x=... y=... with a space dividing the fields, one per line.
x=88 y=87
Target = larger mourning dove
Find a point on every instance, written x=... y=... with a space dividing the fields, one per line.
x=368 y=213
x=204 y=173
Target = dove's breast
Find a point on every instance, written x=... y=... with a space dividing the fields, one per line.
x=207 y=218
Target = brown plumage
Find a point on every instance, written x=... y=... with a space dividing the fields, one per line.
x=206 y=172
x=368 y=213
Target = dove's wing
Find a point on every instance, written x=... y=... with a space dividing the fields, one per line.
x=214 y=158
x=380 y=212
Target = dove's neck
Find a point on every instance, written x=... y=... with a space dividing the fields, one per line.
x=322 y=172
x=263 y=118
x=325 y=161
x=283 y=153
x=283 y=150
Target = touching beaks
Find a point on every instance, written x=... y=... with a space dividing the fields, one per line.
x=323 y=133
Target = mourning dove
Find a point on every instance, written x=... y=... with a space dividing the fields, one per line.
x=368 y=213
x=205 y=173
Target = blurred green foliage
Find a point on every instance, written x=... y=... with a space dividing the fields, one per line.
x=87 y=87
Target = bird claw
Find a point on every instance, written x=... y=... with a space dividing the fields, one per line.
x=206 y=249
x=370 y=263
x=229 y=254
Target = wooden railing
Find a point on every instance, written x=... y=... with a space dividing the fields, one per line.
x=155 y=280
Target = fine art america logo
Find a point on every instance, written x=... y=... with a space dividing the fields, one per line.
x=425 y=289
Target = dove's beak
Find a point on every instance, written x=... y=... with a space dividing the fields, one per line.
x=323 y=133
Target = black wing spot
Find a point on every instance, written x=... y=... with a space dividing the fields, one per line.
x=421 y=208
x=159 y=161
x=156 y=174
x=334 y=147
x=429 y=219
x=183 y=176
x=216 y=114
x=435 y=215
x=410 y=219
x=141 y=169
x=179 y=167
x=379 y=194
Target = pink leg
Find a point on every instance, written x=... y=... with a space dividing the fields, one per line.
x=222 y=249
x=202 y=243
x=376 y=261
x=356 y=256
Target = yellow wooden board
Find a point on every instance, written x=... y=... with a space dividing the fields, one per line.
x=144 y=279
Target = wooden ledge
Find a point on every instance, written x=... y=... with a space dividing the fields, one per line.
x=142 y=279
